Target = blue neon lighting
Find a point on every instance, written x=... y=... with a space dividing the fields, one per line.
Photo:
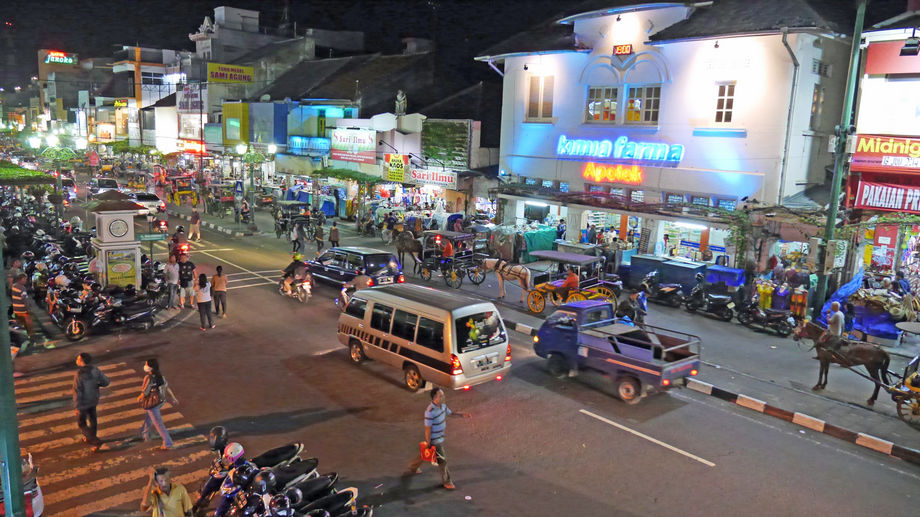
x=621 y=149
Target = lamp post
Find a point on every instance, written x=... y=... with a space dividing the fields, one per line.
x=252 y=157
x=56 y=154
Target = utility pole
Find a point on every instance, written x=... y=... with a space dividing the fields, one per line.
x=10 y=456
x=842 y=132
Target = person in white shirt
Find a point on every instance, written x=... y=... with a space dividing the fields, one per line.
x=835 y=320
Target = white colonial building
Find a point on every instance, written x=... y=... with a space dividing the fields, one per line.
x=702 y=103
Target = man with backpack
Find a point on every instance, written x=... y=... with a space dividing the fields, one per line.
x=86 y=384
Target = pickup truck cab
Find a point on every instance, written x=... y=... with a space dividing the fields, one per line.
x=640 y=360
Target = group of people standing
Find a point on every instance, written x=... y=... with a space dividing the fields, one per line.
x=183 y=284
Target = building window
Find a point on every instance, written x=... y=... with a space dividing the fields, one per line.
x=727 y=204
x=601 y=105
x=540 y=98
x=820 y=68
x=642 y=105
x=617 y=192
x=637 y=195
x=817 y=107
x=700 y=200
x=725 y=102
x=151 y=78
x=674 y=199
x=597 y=189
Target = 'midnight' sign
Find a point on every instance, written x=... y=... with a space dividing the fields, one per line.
x=885 y=153
x=653 y=153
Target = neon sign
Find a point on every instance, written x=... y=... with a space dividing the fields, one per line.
x=60 y=58
x=622 y=50
x=191 y=146
x=622 y=149
x=603 y=173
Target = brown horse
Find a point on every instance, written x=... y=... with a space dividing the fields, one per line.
x=834 y=349
x=407 y=243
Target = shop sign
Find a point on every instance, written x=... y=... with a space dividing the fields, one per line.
x=191 y=98
x=623 y=50
x=60 y=58
x=394 y=167
x=308 y=145
x=221 y=73
x=887 y=196
x=604 y=173
x=883 y=153
x=884 y=57
x=191 y=146
x=120 y=103
x=354 y=145
x=654 y=153
x=120 y=267
x=446 y=179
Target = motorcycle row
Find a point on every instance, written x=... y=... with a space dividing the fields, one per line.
x=55 y=260
x=749 y=313
x=276 y=483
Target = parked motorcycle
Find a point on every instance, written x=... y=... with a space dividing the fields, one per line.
x=106 y=312
x=668 y=294
x=719 y=305
x=751 y=315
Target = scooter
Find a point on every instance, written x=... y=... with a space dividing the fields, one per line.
x=106 y=312
x=636 y=308
x=719 y=305
x=752 y=316
x=668 y=294
x=300 y=290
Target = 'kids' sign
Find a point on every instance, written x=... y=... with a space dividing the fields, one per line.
x=624 y=150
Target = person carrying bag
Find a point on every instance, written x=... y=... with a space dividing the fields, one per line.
x=154 y=392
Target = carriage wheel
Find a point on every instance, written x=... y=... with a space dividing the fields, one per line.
x=576 y=297
x=606 y=292
x=536 y=302
x=425 y=273
x=555 y=298
x=454 y=278
x=477 y=275
x=909 y=410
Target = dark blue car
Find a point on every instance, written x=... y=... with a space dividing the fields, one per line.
x=341 y=265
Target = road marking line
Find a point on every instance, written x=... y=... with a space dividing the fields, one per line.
x=85 y=454
x=130 y=416
x=751 y=403
x=131 y=476
x=255 y=272
x=68 y=392
x=649 y=438
x=131 y=427
x=241 y=268
x=252 y=285
x=69 y=383
x=125 y=497
x=43 y=378
x=807 y=421
x=876 y=444
x=67 y=412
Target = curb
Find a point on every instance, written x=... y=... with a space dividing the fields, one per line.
x=809 y=422
x=209 y=225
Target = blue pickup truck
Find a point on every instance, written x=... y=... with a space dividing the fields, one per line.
x=586 y=336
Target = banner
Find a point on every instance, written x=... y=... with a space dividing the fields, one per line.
x=446 y=179
x=885 y=153
x=394 y=167
x=192 y=98
x=220 y=73
x=120 y=267
x=887 y=196
x=354 y=145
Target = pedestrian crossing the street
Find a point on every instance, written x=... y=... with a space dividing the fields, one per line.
x=76 y=481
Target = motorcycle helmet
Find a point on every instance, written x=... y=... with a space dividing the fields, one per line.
x=264 y=482
x=89 y=279
x=242 y=475
x=62 y=260
x=699 y=277
x=39 y=233
x=298 y=257
x=280 y=506
x=232 y=452
x=180 y=228
x=96 y=287
x=28 y=255
x=218 y=437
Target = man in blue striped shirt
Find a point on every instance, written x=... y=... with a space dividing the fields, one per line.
x=435 y=425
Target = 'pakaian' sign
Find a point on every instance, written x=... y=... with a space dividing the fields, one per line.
x=643 y=153
x=887 y=196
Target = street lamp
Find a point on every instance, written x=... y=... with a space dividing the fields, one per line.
x=272 y=148
x=81 y=143
x=57 y=154
x=35 y=142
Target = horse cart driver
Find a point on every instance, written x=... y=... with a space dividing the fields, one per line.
x=570 y=283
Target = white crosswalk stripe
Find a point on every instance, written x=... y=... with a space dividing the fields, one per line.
x=76 y=481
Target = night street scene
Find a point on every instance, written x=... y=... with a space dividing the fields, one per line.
x=444 y=258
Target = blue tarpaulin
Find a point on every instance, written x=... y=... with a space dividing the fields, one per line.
x=731 y=276
x=872 y=323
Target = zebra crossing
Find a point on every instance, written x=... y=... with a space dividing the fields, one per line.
x=202 y=245
x=76 y=481
x=248 y=278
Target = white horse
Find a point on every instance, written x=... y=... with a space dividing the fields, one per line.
x=505 y=270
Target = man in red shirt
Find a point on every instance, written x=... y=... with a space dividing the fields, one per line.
x=447 y=255
x=570 y=283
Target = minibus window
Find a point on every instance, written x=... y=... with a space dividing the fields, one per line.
x=404 y=325
x=380 y=317
x=479 y=330
x=430 y=334
x=356 y=307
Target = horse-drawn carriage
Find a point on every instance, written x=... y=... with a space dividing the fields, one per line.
x=289 y=213
x=592 y=282
x=906 y=393
x=221 y=199
x=467 y=259
x=181 y=190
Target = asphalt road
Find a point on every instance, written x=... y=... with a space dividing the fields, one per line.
x=273 y=372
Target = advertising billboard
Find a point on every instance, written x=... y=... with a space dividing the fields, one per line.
x=354 y=145
x=221 y=73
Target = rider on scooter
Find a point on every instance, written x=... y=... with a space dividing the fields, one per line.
x=178 y=238
x=232 y=457
x=361 y=281
x=296 y=270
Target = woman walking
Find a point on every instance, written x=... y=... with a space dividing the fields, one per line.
x=203 y=295
x=153 y=395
